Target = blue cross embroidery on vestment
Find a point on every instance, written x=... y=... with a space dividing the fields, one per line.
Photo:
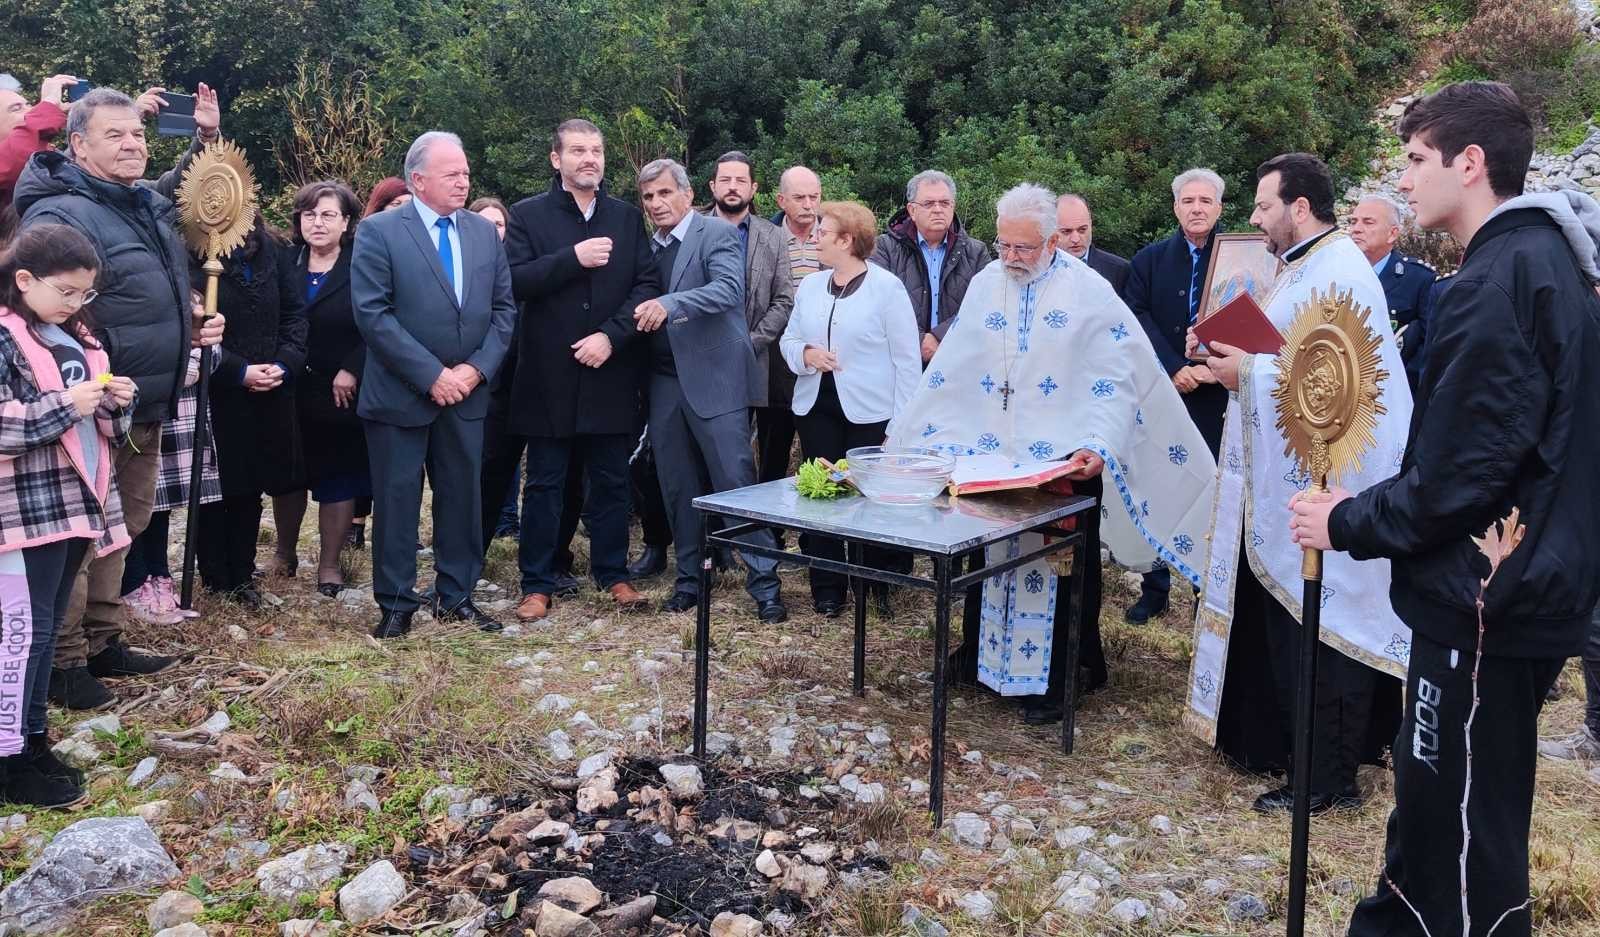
x=1033 y=582
x=1138 y=417
x=1256 y=540
x=1041 y=449
x=1207 y=685
x=1119 y=331
x=994 y=643
x=988 y=442
x=1219 y=573
x=1327 y=594
x=1048 y=385
x=1235 y=461
x=1103 y=389
x=994 y=322
x=1297 y=477
x=1144 y=509
x=1056 y=319
x=1398 y=648
x=936 y=379
x=1029 y=649
x=987 y=384
x=929 y=430
x=1184 y=544
x=1177 y=455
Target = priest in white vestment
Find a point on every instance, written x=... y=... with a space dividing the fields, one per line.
x=1046 y=363
x=1242 y=682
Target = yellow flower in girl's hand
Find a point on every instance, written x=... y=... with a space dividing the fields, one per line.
x=104 y=378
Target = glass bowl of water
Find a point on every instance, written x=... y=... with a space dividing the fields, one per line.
x=903 y=475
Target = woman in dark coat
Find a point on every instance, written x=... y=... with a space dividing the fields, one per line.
x=252 y=408
x=325 y=217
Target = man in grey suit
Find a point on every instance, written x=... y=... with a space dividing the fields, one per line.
x=431 y=292
x=703 y=377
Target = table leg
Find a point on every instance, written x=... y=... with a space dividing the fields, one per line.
x=941 y=651
x=702 y=647
x=1069 y=692
x=858 y=587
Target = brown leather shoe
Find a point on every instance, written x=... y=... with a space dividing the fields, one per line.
x=627 y=596
x=533 y=607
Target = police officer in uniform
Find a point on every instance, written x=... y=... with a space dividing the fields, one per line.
x=1407 y=281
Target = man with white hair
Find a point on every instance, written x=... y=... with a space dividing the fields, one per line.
x=1046 y=363
x=26 y=130
x=1375 y=226
x=431 y=292
x=925 y=246
x=1165 y=282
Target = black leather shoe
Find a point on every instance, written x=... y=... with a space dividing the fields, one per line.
x=1281 y=800
x=117 y=661
x=681 y=602
x=651 y=563
x=466 y=611
x=829 y=608
x=78 y=689
x=772 y=611
x=22 y=782
x=45 y=760
x=393 y=624
x=1148 y=607
x=566 y=585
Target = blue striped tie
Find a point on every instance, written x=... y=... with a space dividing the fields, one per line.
x=1194 y=284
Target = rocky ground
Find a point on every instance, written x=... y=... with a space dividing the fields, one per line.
x=295 y=777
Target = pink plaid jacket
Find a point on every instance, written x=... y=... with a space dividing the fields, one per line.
x=46 y=493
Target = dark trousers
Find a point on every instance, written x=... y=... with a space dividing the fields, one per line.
x=147 y=555
x=1591 y=676
x=1256 y=721
x=604 y=483
x=502 y=457
x=1424 y=840
x=698 y=455
x=648 y=503
x=826 y=433
x=452 y=449
x=775 y=428
x=227 y=545
x=49 y=572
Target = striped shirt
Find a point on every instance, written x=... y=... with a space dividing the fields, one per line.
x=802 y=253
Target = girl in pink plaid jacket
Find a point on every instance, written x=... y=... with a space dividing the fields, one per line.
x=61 y=413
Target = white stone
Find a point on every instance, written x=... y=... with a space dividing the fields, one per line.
x=973 y=757
x=977 y=905
x=1092 y=862
x=1110 y=788
x=217 y=724
x=443 y=797
x=107 y=724
x=728 y=924
x=142 y=772
x=781 y=739
x=560 y=745
x=302 y=872
x=227 y=771
x=684 y=781
x=171 y=909
x=1130 y=910
x=1073 y=836
x=153 y=812
x=1171 y=902
x=1116 y=841
x=556 y=921
x=301 y=927
x=807 y=881
x=1162 y=824
x=553 y=703
x=594 y=764
x=371 y=894
x=359 y=794
x=819 y=853
x=186 y=929
x=878 y=737
x=78 y=751
x=86 y=862
x=649 y=670
x=930 y=859
x=575 y=893
x=767 y=864
x=1078 y=900
x=968 y=829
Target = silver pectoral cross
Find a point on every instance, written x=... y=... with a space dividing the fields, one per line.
x=1005 y=395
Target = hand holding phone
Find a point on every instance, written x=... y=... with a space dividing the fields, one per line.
x=76 y=90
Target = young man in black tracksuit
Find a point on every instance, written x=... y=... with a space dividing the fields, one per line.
x=1505 y=418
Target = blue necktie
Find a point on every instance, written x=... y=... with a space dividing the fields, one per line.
x=1194 y=284
x=446 y=255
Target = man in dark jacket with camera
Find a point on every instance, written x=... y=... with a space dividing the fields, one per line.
x=1505 y=424
x=143 y=318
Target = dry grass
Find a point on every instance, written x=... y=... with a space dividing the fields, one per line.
x=442 y=704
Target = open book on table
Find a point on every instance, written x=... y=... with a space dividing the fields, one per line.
x=976 y=474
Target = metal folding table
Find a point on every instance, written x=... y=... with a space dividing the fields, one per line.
x=944 y=530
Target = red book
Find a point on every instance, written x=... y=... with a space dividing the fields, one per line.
x=1242 y=324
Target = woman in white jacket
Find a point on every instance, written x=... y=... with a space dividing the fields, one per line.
x=852 y=342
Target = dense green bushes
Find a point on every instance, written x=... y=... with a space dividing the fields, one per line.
x=1108 y=97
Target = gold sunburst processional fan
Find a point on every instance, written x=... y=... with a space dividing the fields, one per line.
x=1329 y=384
x=1328 y=390
x=217 y=205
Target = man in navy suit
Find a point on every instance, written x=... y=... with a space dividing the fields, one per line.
x=431 y=293
x=1165 y=282
x=1407 y=281
x=703 y=377
x=1075 y=224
